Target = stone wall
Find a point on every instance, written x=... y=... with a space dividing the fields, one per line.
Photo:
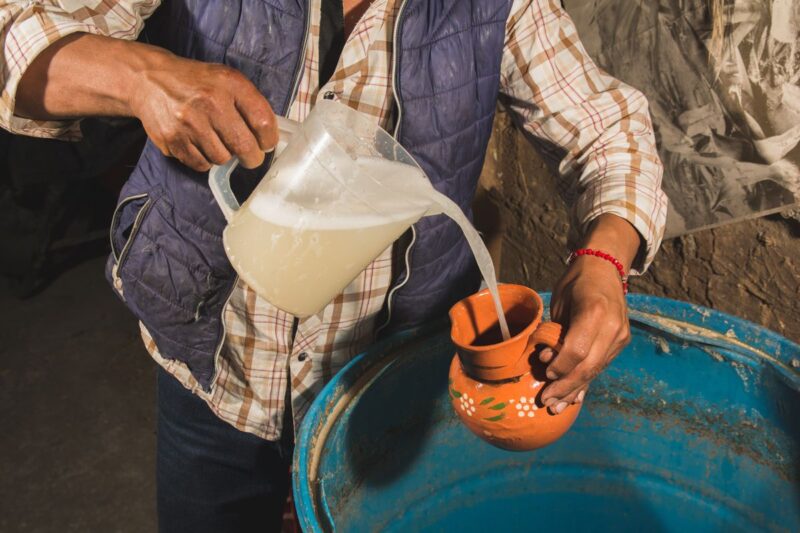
x=748 y=268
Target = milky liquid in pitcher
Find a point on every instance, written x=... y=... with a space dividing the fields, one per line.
x=299 y=250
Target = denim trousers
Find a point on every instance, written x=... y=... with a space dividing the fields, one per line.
x=212 y=477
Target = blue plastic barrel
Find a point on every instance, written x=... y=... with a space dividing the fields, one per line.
x=695 y=427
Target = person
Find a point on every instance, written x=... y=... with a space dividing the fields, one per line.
x=238 y=374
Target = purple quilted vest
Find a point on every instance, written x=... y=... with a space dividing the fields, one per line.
x=167 y=257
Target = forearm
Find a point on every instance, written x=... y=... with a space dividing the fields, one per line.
x=616 y=236
x=594 y=129
x=84 y=75
x=620 y=174
x=200 y=113
x=44 y=32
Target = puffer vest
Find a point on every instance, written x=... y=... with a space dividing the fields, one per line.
x=167 y=259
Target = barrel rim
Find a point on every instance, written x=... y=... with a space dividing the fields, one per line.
x=735 y=337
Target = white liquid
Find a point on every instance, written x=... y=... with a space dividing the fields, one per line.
x=299 y=239
x=300 y=270
x=476 y=244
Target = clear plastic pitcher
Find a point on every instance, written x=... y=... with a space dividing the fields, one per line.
x=340 y=191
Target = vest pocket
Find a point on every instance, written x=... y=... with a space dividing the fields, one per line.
x=125 y=224
x=163 y=260
x=165 y=264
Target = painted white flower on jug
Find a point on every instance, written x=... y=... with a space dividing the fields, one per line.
x=526 y=407
x=467 y=404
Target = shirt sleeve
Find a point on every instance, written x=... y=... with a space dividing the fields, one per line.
x=593 y=129
x=28 y=27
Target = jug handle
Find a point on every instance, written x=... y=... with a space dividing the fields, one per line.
x=219 y=177
x=547 y=334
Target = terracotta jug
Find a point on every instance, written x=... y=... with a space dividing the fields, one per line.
x=495 y=385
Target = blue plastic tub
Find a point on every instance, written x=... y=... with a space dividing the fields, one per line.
x=695 y=427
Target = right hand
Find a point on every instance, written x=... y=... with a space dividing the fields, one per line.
x=203 y=114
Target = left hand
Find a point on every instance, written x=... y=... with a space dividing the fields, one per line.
x=590 y=304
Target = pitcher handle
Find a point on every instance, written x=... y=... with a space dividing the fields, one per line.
x=219 y=180
x=549 y=334
x=219 y=177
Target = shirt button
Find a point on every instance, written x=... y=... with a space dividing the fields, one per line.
x=118 y=283
x=302 y=356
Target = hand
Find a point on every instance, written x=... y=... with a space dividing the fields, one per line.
x=202 y=113
x=197 y=112
x=590 y=304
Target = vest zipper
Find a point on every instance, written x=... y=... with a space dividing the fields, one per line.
x=395 y=73
x=299 y=72
x=395 y=47
x=224 y=335
x=297 y=75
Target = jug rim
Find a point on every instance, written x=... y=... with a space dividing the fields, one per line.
x=525 y=332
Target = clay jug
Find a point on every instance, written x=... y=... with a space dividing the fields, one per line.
x=496 y=385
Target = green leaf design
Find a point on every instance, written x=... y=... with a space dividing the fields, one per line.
x=455 y=393
x=496 y=418
x=490 y=399
x=498 y=406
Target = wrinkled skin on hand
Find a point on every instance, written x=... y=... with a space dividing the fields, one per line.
x=202 y=114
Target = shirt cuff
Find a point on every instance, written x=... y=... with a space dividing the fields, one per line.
x=644 y=208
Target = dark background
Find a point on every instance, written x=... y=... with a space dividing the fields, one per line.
x=77 y=404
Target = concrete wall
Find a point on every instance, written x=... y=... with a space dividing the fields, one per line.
x=750 y=268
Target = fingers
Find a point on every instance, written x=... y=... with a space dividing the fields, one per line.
x=580 y=396
x=574 y=397
x=187 y=153
x=190 y=138
x=567 y=388
x=259 y=117
x=198 y=154
x=239 y=140
x=583 y=329
x=245 y=124
x=594 y=338
x=212 y=147
x=202 y=114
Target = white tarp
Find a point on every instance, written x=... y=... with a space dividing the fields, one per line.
x=727 y=121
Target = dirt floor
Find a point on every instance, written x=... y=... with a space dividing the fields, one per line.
x=749 y=268
x=77 y=402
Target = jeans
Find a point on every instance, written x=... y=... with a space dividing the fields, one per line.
x=210 y=476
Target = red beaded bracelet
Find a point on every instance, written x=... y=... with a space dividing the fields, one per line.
x=602 y=255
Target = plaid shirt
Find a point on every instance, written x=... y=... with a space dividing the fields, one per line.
x=607 y=162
